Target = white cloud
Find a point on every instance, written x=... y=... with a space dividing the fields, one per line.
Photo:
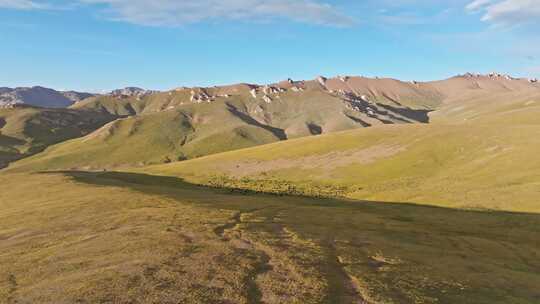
x=477 y=5
x=179 y=12
x=21 y=4
x=507 y=12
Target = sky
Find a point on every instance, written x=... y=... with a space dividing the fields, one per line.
x=100 y=45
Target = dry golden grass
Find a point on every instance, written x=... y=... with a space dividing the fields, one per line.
x=135 y=238
x=63 y=242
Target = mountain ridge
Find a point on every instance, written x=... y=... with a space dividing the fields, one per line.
x=367 y=85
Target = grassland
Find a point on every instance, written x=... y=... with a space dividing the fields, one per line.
x=135 y=238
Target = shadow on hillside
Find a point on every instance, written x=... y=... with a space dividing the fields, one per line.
x=279 y=133
x=416 y=115
x=421 y=241
x=175 y=186
x=10 y=141
x=358 y=120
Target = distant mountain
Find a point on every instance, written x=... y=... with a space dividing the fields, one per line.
x=5 y=90
x=76 y=96
x=130 y=92
x=40 y=97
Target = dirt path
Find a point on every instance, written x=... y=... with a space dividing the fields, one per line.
x=246 y=247
x=13 y=285
x=342 y=285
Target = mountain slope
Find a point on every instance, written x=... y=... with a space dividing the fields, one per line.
x=156 y=138
x=27 y=130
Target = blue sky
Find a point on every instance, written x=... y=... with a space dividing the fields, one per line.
x=99 y=45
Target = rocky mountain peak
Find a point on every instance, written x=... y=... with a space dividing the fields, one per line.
x=131 y=92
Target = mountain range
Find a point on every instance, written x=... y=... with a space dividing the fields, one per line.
x=186 y=123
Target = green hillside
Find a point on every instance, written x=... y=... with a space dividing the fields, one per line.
x=156 y=138
x=26 y=130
